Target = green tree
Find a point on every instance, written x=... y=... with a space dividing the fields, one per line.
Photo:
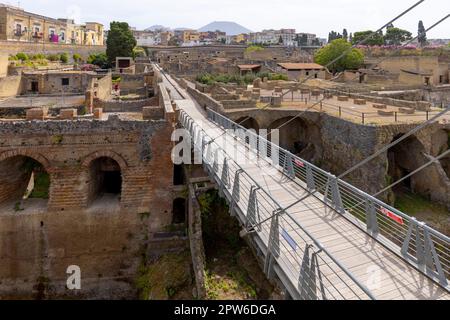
x=333 y=35
x=280 y=40
x=352 y=59
x=375 y=40
x=76 y=57
x=396 y=36
x=422 y=35
x=120 y=42
x=345 y=34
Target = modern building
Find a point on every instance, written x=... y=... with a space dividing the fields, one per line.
x=17 y=24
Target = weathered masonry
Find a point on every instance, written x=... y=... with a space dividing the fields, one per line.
x=85 y=193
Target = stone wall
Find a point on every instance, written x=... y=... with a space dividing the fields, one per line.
x=13 y=47
x=124 y=106
x=104 y=238
x=10 y=86
x=205 y=101
x=4 y=63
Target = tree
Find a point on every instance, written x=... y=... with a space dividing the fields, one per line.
x=350 y=37
x=174 y=42
x=333 y=35
x=77 y=57
x=396 y=36
x=345 y=34
x=375 y=40
x=352 y=59
x=422 y=35
x=120 y=41
x=280 y=40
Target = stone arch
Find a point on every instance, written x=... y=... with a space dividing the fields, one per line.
x=104 y=180
x=249 y=123
x=24 y=175
x=27 y=153
x=105 y=154
x=299 y=136
x=404 y=158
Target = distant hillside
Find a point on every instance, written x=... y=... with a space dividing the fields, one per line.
x=157 y=27
x=231 y=28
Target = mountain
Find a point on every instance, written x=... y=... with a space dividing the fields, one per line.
x=231 y=28
x=157 y=27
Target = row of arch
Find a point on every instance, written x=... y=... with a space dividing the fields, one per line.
x=25 y=175
x=303 y=138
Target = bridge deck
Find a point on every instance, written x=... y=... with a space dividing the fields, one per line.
x=386 y=274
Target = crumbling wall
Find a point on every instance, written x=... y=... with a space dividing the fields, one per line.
x=104 y=239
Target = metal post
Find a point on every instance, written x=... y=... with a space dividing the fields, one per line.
x=340 y=112
x=395 y=116
x=371 y=218
x=225 y=174
x=310 y=178
x=363 y=117
x=253 y=217
x=236 y=194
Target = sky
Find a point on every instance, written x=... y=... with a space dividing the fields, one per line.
x=313 y=16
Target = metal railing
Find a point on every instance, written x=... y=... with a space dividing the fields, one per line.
x=352 y=114
x=310 y=270
x=421 y=246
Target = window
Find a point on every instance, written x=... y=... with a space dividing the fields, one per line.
x=307 y=73
x=65 y=81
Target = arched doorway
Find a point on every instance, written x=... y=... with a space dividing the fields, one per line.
x=179 y=211
x=105 y=180
x=445 y=161
x=298 y=136
x=24 y=183
x=404 y=158
x=248 y=123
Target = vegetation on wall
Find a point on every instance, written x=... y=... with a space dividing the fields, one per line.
x=209 y=79
x=100 y=60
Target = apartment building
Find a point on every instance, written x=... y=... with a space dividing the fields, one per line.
x=17 y=24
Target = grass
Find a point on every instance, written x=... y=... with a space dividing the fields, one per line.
x=435 y=215
x=41 y=185
x=165 y=278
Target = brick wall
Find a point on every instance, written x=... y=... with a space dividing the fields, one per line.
x=105 y=240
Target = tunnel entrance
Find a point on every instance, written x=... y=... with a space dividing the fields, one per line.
x=105 y=179
x=299 y=137
x=248 y=123
x=24 y=183
x=404 y=158
x=178 y=175
x=445 y=162
x=179 y=211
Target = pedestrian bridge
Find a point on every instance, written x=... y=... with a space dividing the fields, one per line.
x=337 y=243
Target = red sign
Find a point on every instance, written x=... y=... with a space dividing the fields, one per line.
x=392 y=216
x=299 y=163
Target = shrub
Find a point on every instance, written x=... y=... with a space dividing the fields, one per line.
x=53 y=57
x=100 y=60
x=64 y=57
x=22 y=56
x=76 y=57
x=38 y=56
